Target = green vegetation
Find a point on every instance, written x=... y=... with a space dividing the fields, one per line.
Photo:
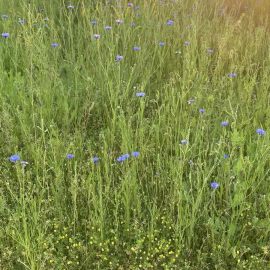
x=63 y=92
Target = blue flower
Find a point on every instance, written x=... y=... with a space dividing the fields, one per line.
x=224 y=123
x=226 y=156
x=119 y=58
x=14 y=158
x=93 y=22
x=130 y=4
x=232 y=75
x=202 y=110
x=214 y=185
x=170 y=22
x=260 y=131
x=161 y=43
x=95 y=159
x=123 y=158
x=70 y=156
x=184 y=141
x=96 y=36
x=55 y=44
x=140 y=94
x=5 y=35
x=136 y=48
x=107 y=27
x=135 y=154
x=119 y=21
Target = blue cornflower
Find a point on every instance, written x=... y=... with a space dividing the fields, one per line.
x=214 y=185
x=232 y=75
x=260 y=131
x=93 y=22
x=4 y=17
x=140 y=94
x=95 y=159
x=224 y=123
x=14 y=158
x=123 y=158
x=130 y=4
x=119 y=58
x=184 y=141
x=161 y=43
x=136 y=48
x=119 y=21
x=135 y=154
x=202 y=110
x=55 y=44
x=187 y=43
x=107 y=27
x=70 y=156
x=170 y=22
x=96 y=36
x=226 y=156
x=5 y=35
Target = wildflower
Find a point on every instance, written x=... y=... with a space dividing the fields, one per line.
x=14 y=158
x=140 y=94
x=161 y=43
x=107 y=27
x=210 y=51
x=119 y=21
x=119 y=58
x=184 y=141
x=135 y=154
x=5 y=35
x=123 y=158
x=187 y=43
x=70 y=7
x=4 y=17
x=130 y=4
x=224 y=123
x=260 y=131
x=214 y=185
x=202 y=110
x=226 y=156
x=191 y=101
x=96 y=36
x=93 y=22
x=70 y=156
x=170 y=22
x=136 y=48
x=232 y=75
x=95 y=159
x=55 y=44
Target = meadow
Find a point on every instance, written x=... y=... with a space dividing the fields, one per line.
x=134 y=135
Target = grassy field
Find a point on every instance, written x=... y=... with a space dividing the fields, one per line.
x=134 y=135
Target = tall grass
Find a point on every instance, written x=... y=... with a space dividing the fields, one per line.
x=157 y=210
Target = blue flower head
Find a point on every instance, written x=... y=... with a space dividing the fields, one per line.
x=232 y=75
x=107 y=27
x=161 y=43
x=119 y=58
x=96 y=36
x=170 y=22
x=136 y=48
x=140 y=94
x=123 y=158
x=70 y=156
x=135 y=154
x=55 y=44
x=95 y=159
x=130 y=4
x=184 y=141
x=14 y=158
x=202 y=110
x=260 y=131
x=224 y=123
x=5 y=35
x=226 y=156
x=214 y=185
